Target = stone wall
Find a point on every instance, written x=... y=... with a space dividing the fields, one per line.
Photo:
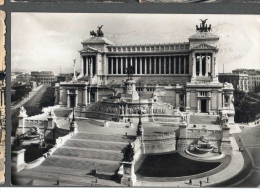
x=57 y=132
x=160 y=143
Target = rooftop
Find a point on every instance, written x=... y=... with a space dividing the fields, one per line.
x=100 y=40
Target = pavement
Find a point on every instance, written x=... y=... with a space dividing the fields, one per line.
x=231 y=170
x=28 y=97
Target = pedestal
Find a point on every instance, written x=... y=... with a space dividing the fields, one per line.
x=74 y=127
x=130 y=89
x=18 y=160
x=226 y=147
x=182 y=145
x=129 y=177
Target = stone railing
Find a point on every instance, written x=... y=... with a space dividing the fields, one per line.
x=59 y=142
x=137 y=148
x=159 y=136
x=149 y=48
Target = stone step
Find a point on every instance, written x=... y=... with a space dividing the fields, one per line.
x=91 y=149
x=82 y=164
x=204 y=119
x=89 y=154
x=95 y=144
x=48 y=176
x=102 y=137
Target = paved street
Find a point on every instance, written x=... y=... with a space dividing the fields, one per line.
x=249 y=176
x=33 y=98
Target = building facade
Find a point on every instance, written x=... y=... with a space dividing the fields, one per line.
x=239 y=81
x=44 y=77
x=253 y=77
x=184 y=75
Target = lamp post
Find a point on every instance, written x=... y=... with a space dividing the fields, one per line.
x=139 y=127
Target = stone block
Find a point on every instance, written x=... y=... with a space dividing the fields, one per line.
x=18 y=160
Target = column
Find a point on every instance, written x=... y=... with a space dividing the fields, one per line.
x=96 y=96
x=177 y=100
x=116 y=65
x=209 y=65
x=145 y=65
x=126 y=63
x=141 y=65
x=185 y=66
x=88 y=96
x=91 y=68
x=150 y=65
x=179 y=64
x=164 y=63
x=208 y=106
x=121 y=63
x=219 y=100
x=174 y=65
x=68 y=99
x=198 y=105
x=154 y=65
x=87 y=63
x=206 y=65
x=136 y=65
x=200 y=73
x=223 y=100
x=160 y=65
x=214 y=66
x=187 y=100
x=82 y=66
x=85 y=102
x=170 y=64
x=131 y=61
x=193 y=65
x=112 y=65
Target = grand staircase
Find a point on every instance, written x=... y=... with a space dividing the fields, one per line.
x=204 y=119
x=72 y=163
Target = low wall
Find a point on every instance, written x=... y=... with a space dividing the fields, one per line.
x=59 y=142
x=57 y=132
x=160 y=143
x=137 y=148
x=197 y=133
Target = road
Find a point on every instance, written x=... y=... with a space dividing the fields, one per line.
x=249 y=176
x=33 y=98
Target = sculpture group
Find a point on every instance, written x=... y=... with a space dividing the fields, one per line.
x=99 y=33
x=203 y=26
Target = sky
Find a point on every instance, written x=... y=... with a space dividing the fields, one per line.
x=50 y=41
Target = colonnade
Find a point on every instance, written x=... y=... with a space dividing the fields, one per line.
x=204 y=64
x=243 y=85
x=88 y=66
x=149 y=64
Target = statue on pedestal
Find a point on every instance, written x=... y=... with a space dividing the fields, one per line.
x=203 y=26
x=22 y=111
x=99 y=33
x=130 y=71
x=129 y=153
x=224 y=120
x=17 y=144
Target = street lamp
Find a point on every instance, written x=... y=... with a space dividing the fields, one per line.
x=139 y=127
